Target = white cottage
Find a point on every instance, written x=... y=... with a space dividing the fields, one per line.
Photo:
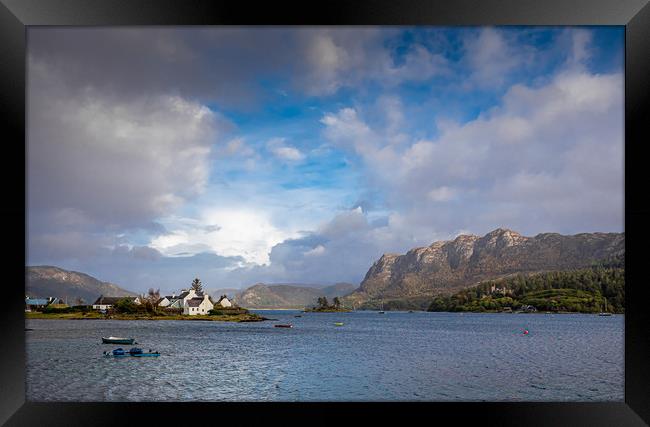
x=224 y=302
x=167 y=300
x=105 y=303
x=197 y=305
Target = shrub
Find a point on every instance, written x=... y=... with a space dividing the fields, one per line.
x=125 y=305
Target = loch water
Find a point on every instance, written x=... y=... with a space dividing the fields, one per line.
x=396 y=356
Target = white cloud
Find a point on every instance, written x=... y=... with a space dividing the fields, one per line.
x=239 y=232
x=491 y=58
x=121 y=162
x=441 y=194
x=285 y=152
x=553 y=150
x=580 y=49
x=349 y=57
x=317 y=251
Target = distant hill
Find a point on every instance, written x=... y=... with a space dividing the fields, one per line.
x=288 y=295
x=46 y=281
x=446 y=267
x=231 y=293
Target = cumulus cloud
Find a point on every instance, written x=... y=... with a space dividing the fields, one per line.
x=543 y=150
x=237 y=232
x=121 y=162
x=345 y=57
x=441 y=194
x=279 y=148
x=490 y=57
x=102 y=165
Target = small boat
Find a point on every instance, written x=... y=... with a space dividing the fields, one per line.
x=116 y=340
x=134 y=352
x=338 y=324
x=605 y=312
x=137 y=352
x=280 y=325
x=298 y=315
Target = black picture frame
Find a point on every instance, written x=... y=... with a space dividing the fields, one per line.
x=16 y=15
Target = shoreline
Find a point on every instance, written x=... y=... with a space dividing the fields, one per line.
x=237 y=318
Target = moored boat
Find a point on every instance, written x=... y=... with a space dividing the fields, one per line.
x=605 y=312
x=338 y=324
x=117 y=340
x=283 y=325
x=135 y=352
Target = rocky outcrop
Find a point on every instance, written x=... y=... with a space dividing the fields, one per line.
x=446 y=266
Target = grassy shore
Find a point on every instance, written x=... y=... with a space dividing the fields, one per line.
x=245 y=317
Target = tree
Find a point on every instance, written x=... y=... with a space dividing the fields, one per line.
x=151 y=299
x=153 y=295
x=322 y=302
x=197 y=285
x=337 y=302
x=125 y=305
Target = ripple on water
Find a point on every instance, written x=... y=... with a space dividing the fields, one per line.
x=401 y=356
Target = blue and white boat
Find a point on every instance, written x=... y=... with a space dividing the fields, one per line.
x=134 y=352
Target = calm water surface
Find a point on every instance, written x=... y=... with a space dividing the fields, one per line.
x=394 y=356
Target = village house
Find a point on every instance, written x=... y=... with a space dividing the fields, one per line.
x=198 y=305
x=105 y=303
x=40 y=303
x=193 y=302
x=224 y=302
x=167 y=300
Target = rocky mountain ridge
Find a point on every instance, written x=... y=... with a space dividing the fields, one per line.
x=446 y=266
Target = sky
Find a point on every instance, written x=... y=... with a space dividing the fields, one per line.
x=302 y=154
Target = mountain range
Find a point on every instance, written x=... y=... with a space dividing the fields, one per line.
x=447 y=266
x=442 y=268
x=46 y=281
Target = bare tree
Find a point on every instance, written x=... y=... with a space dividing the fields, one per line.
x=150 y=300
x=153 y=294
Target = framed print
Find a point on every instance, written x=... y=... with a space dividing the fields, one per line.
x=357 y=210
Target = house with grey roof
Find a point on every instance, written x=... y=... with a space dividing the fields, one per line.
x=198 y=305
x=224 y=302
x=189 y=300
x=105 y=303
x=40 y=303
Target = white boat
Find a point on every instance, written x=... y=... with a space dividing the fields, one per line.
x=117 y=340
x=605 y=312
